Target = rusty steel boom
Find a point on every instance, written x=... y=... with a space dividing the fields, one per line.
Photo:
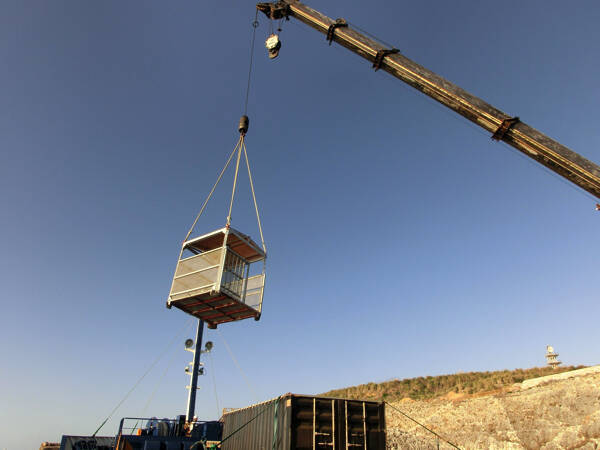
x=501 y=126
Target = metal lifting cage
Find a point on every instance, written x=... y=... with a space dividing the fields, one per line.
x=215 y=283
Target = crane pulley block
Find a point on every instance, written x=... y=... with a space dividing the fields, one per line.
x=274 y=11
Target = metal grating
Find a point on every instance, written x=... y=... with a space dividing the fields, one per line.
x=196 y=275
x=234 y=275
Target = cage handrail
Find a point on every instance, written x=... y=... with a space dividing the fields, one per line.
x=218 y=249
x=215 y=266
x=189 y=290
x=138 y=419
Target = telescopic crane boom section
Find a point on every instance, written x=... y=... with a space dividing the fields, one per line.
x=511 y=130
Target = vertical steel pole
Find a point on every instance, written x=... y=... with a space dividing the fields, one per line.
x=191 y=405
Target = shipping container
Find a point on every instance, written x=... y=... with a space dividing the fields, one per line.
x=301 y=422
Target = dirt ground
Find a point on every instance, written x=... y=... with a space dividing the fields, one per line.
x=555 y=414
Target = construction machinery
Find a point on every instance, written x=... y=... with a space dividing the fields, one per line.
x=502 y=126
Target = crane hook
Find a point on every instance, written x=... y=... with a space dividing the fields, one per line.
x=273 y=45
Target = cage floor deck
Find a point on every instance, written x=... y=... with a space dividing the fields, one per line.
x=215 y=310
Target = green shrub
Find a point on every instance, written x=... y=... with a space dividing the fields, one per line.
x=423 y=388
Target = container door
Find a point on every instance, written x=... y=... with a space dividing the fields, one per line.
x=314 y=424
x=364 y=425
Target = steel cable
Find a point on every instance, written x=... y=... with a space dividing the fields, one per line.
x=254 y=198
x=212 y=191
x=212 y=371
x=254 y=26
x=142 y=377
x=235 y=177
x=238 y=366
x=420 y=424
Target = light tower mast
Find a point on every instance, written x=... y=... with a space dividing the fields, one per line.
x=551 y=357
x=195 y=371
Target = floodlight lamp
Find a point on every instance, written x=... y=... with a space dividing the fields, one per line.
x=208 y=346
x=189 y=343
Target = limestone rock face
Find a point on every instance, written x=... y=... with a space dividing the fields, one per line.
x=556 y=414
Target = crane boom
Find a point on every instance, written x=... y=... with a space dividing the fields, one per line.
x=511 y=130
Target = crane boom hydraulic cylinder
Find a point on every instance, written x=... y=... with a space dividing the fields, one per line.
x=500 y=125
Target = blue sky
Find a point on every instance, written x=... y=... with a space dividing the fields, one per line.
x=402 y=240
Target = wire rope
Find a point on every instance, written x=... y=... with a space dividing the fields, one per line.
x=142 y=377
x=212 y=371
x=155 y=390
x=478 y=129
x=235 y=177
x=254 y=198
x=238 y=366
x=238 y=147
x=420 y=424
x=254 y=26
x=249 y=421
x=212 y=191
x=372 y=36
x=465 y=123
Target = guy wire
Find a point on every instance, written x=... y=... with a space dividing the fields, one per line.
x=142 y=377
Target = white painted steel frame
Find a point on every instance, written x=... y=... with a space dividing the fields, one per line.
x=217 y=287
x=226 y=231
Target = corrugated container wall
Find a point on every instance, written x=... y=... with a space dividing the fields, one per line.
x=300 y=422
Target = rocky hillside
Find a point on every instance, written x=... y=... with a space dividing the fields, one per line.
x=553 y=414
